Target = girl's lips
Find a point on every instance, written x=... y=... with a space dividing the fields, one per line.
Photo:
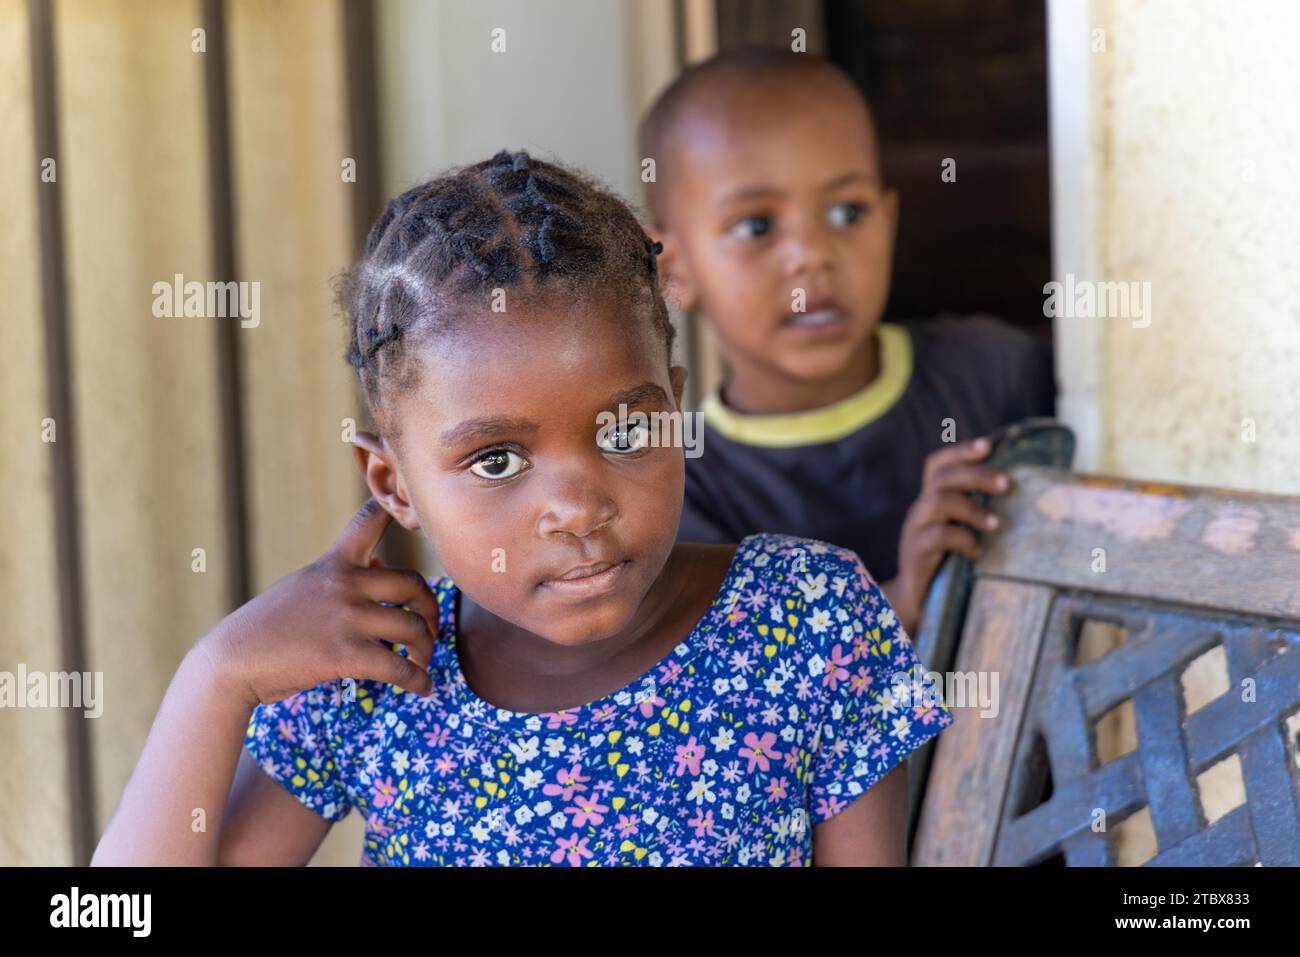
x=588 y=585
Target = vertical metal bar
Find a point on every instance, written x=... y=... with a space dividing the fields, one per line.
x=224 y=267
x=367 y=195
x=58 y=381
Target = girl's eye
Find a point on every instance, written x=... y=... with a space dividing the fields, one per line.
x=751 y=227
x=498 y=464
x=624 y=441
x=845 y=214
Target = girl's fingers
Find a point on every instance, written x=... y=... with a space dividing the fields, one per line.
x=402 y=586
x=947 y=457
x=358 y=540
x=953 y=507
x=970 y=478
x=367 y=660
x=398 y=626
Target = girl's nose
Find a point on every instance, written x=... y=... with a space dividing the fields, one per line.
x=575 y=506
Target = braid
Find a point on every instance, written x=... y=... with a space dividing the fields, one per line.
x=507 y=221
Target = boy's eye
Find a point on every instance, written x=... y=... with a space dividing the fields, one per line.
x=498 y=464
x=845 y=214
x=624 y=441
x=752 y=227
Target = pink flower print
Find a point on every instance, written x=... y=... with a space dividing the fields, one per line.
x=297 y=702
x=835 y=670
x=288 y=730
x=862 y=679
x=587 y=809
x=702 y=822
x=736 y=617
x=437 y=737
x=758 y=750
x=926 y=713
x=556 y=719
x=574 y=848
x=688 y=757
x=385 y=792
x=570 y=783
x=649 y=704
x=377 y=826
x=828 y=806
x=626 y=825
x=776 y=788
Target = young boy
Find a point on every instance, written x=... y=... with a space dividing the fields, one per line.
x=778 y=226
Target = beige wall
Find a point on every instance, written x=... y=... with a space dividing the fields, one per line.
x=34 y=806
x=133 y=181
x=1177 y=162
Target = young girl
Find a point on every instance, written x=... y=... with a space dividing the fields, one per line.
x=579 y=690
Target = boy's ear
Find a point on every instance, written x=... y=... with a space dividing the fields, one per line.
x=891 y=201
x=378 y=467
x=674 y=274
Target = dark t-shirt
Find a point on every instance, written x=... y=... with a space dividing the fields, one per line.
x=848 y=473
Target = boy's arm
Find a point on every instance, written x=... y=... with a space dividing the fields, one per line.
x=871 y=831
x=187 y=765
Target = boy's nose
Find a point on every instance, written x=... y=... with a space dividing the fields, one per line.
x=807 y=250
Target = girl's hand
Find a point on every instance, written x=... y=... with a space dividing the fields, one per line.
x=321 y=623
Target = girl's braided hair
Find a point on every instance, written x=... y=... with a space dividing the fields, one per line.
x=444 y=248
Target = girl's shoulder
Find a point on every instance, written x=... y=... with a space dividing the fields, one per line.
x=775 y=555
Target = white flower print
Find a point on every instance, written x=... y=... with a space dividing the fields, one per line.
x=525 y=750
x=701 y=791
x=819 y=621
x=723 y=740
x=531 y=779
x=401 y=761
x=813 y=586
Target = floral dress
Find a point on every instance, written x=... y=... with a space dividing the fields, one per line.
x=791 y=697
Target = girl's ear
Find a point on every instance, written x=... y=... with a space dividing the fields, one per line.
x=378 y=467
x=674 y=274
x=677 y=375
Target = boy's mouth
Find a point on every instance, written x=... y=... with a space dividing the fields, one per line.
x=821 y=316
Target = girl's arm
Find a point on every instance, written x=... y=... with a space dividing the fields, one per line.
x=871 y=831
x=179 y=808
x=316 y=625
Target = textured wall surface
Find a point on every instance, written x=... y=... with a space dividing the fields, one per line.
x=1200 y=196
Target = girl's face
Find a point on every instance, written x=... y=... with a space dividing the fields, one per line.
x=501 y=460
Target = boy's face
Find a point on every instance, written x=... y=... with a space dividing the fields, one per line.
x=498 y=461
x=774 y=189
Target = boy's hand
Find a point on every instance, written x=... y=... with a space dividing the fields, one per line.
x=930 y=529
x=320 y=623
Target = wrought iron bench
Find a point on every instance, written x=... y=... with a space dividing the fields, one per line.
x=1146 y=641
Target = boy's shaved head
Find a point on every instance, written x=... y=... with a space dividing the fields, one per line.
x=734 y=89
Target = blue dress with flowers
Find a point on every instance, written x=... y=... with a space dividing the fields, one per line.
x=794 y=694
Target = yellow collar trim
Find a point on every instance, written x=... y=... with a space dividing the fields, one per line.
x=831 y=422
